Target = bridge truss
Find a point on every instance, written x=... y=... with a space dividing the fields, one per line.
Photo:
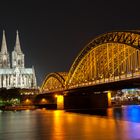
x=110 y=57
x=54 y=82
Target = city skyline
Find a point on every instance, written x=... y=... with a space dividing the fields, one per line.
x=53 y=33
x=69 y=70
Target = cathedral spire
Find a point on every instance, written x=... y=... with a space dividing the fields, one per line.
x=17 y=45
x=4 y=55
x=4 y=45
x=17 y=55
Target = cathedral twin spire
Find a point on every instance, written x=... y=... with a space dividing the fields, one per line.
x=17 y=55
x=17 y=45
x=4 y=45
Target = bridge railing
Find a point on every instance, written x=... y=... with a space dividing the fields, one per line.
x=106 y=80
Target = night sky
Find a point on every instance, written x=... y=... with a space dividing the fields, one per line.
x=53 y=32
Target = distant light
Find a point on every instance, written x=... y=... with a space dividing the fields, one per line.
x=43 y=101
x=55 y=95
x=28 y=101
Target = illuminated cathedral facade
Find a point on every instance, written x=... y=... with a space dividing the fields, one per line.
x=13 y=74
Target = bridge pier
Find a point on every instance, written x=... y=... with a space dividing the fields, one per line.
x=60 y=102
x=109 y=98
x=75 y=100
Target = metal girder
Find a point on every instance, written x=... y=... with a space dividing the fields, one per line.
x=107 y=62
x=109 y=57
x=56 y=79
x=130 y=38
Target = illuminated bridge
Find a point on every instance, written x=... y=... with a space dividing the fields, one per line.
x=111 y=60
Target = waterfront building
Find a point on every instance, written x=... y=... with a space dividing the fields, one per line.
x=15 y=75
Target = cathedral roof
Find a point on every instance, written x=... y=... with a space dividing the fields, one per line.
x=12 y=71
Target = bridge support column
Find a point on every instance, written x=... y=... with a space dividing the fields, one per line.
x=60 y=102
x=109 y=98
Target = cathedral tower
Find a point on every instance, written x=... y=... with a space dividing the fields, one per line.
x=18 y=76
x=4 y=55
x=17 y=55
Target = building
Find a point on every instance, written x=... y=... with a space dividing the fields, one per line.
x=15 y=75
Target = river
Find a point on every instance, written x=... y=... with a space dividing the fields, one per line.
x=111 y=124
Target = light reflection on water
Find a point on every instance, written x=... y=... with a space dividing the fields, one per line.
x=112 y=124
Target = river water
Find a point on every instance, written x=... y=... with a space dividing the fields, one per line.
x=112 y=124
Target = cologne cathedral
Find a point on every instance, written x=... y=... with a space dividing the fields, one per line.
x=15 y=75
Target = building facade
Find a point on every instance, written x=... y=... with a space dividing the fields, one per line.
x=15 y=75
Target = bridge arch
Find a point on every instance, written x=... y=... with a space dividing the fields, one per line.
x=108 y=57
x=54 y=82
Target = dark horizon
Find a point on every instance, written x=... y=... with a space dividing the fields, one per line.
x=53 y=33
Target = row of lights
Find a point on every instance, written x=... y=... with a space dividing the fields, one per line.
x=86 y=83
x=27 y=93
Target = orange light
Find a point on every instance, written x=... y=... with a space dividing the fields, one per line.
x=28 y=101
x=56 y=96
x=109 y=98
x=60 y=102
x=60 y=98
x=43 y=101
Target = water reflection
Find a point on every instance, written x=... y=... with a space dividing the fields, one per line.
x=99 y=112
x=15 y=125
x=112 y=124
x=132 y=113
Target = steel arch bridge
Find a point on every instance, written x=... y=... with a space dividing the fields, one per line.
x=110 y=57
x=54 y=82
